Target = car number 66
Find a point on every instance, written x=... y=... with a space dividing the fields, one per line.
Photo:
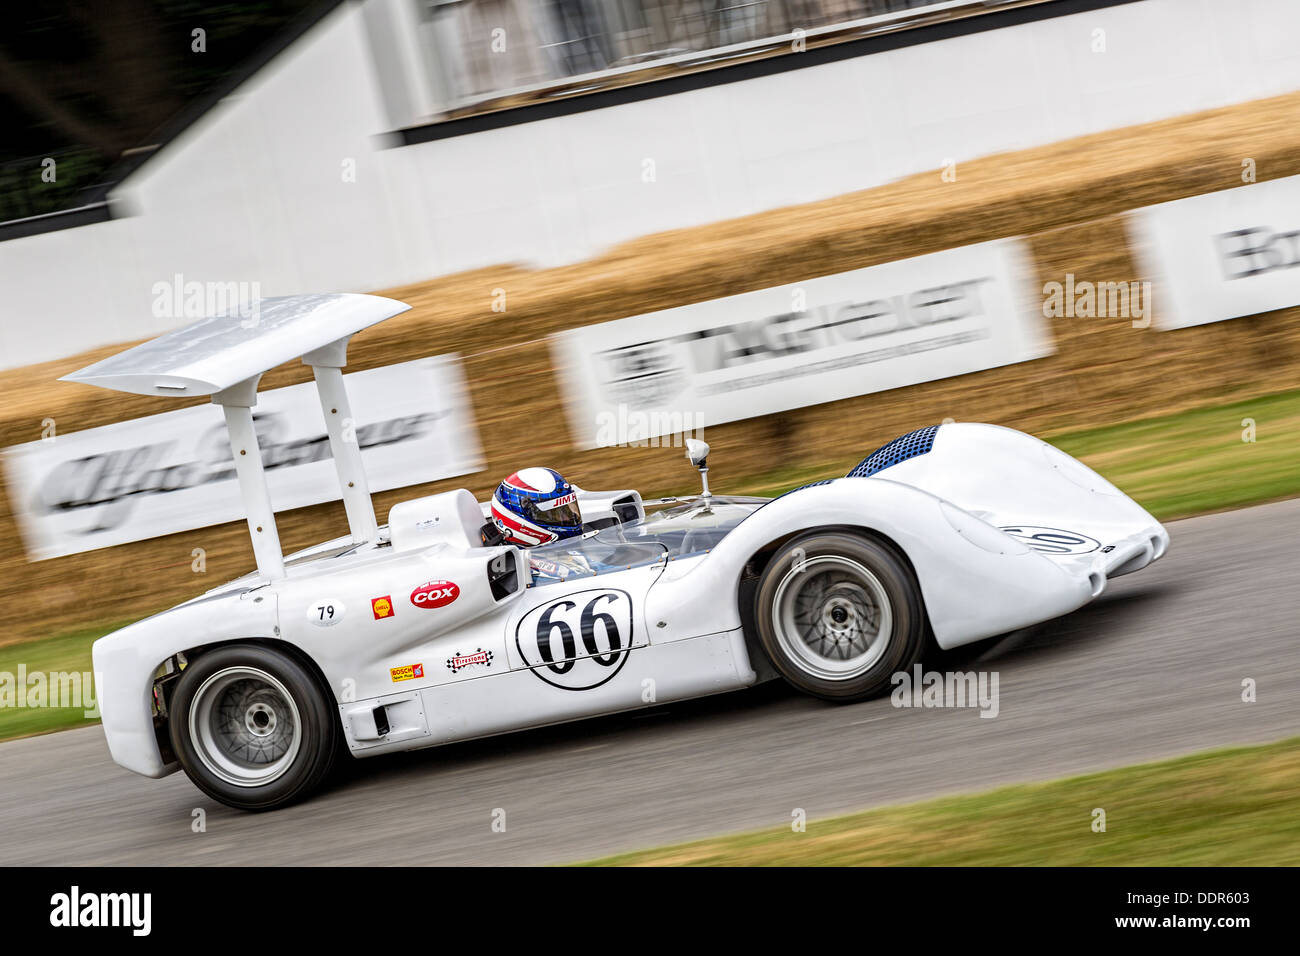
x=579 y=641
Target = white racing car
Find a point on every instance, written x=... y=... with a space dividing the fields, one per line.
x=417 y=633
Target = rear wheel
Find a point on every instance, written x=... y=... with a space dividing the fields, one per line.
x=252 y=728
x=839 y=614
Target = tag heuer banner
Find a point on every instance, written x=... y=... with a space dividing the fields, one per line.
x=172 y=472
x=883 y=327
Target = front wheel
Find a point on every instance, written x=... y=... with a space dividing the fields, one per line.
x=252 y=728
x=839 y=614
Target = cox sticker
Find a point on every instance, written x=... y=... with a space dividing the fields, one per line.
x=435 y=594
x=579 y=641
x=325 y=612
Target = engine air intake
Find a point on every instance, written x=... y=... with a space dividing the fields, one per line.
x=891 y=453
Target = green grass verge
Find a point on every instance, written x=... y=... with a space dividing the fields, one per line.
x=1232 y=807
x=1197 y=461
x=64 y=653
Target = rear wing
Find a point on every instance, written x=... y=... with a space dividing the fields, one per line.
x=224 y=357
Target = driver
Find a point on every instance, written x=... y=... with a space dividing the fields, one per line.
x=536 y=506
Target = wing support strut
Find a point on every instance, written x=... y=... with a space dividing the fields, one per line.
x=327 y=366
x=237 y=404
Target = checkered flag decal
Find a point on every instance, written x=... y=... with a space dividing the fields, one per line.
x=458 y=661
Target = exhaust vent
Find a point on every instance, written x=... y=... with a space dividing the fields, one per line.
x=503 y=574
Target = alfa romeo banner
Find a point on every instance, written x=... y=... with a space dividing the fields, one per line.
x=172 y=472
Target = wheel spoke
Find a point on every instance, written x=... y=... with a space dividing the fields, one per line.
x=245 y=726
x=833 y=616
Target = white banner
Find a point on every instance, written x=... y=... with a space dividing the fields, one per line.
x=172 y=472
x=883 y=327
x=1221 y=255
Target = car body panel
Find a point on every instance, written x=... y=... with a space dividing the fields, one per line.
x=1001 y=529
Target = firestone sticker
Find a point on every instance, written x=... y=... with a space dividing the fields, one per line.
x=458 y=661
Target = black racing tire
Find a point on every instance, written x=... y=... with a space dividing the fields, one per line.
x=252 y=728
x=839 y=614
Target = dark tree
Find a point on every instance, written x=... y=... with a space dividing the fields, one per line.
x=85 y=82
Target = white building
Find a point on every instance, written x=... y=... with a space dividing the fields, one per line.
x=298 y=179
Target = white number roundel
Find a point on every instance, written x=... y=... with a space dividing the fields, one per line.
x=326 y=612
x=1053 y=540
x=579 y=641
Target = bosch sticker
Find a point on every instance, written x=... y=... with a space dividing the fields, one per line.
x=409 y=672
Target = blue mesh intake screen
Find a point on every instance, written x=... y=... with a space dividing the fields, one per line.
x=900 y=449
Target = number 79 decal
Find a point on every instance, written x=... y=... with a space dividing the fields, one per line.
x=579 y=641
x=326 y=612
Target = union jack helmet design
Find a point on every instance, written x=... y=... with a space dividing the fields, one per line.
x=536 y=506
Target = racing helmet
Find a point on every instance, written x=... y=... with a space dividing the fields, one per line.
x=536 y=506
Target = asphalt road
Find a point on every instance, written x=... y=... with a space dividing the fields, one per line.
x=1152 y=669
